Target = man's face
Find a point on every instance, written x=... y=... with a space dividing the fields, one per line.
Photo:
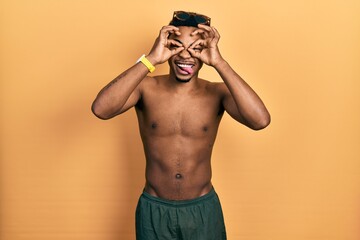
x=183 y=65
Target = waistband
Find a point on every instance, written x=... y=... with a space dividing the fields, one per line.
x=180 y=203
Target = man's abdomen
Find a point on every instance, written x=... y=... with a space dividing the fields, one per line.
x=178 y=170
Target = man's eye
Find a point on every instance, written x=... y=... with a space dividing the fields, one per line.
x=173 y=46
x=198 y=49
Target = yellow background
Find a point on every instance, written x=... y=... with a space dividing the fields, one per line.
x=67 y=175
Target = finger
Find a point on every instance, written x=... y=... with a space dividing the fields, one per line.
x=211 y=29
x=167 y=30
x=176 y=50
x=203 y=34
x=196 y=48
x=199 y=42
x=205 y=27
x=176 y=32
x=216 y=32
x=172 y=42
x=174 y=29
x=206 y=31
x=194 y=53
x=197 y=31
x=169 y=27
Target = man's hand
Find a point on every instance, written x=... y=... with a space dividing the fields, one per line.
x=164 y=48
x=206 y=48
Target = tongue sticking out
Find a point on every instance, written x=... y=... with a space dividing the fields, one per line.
x=189 y=70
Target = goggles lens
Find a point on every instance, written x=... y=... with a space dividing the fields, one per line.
x=183 y=16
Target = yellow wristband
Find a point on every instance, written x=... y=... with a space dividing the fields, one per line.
x=147 y=63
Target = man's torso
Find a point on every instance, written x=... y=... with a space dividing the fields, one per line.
x=178 y=128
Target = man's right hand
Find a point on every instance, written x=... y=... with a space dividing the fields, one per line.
x=164 y=48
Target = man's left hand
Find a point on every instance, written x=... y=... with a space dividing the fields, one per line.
x=206 y=48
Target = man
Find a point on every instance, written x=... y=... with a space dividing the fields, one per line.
x=178 y=116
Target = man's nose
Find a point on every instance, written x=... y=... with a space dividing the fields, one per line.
x=185 y=53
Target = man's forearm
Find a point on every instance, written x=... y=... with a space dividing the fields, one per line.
x=250 y=106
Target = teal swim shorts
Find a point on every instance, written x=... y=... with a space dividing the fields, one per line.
x=196 y=219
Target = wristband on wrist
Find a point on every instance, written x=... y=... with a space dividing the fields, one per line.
x=147 y=63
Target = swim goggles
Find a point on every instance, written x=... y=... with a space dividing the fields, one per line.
x=185 y=16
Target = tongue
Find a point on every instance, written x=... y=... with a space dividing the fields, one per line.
x=187 y=69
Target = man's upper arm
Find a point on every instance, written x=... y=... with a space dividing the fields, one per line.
x=229 y=104
x=133 y=99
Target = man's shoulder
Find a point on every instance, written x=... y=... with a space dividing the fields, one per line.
x=150 y=82
x=152 y=79
x=215 y=86
x=210 y=83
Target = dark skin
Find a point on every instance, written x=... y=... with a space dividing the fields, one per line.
x=179 y=113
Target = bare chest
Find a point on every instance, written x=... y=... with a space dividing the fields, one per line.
x=187 y=115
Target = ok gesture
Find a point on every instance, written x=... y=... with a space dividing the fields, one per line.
x=206 y=48
x=164 y=48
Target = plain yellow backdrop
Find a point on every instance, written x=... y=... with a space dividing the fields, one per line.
x=67 y=175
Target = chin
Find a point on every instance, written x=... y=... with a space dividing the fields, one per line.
x=180 y=77
x=183 y=80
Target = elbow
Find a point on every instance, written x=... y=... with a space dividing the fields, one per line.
x=262 y=123
x=97 y=111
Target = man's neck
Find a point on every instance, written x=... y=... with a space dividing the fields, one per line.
x=183 y=85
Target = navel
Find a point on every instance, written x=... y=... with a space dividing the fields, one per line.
x=178 y=176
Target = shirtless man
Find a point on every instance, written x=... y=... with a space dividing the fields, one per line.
x=178 y=116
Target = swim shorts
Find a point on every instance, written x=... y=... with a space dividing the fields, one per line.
x=197 y=219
